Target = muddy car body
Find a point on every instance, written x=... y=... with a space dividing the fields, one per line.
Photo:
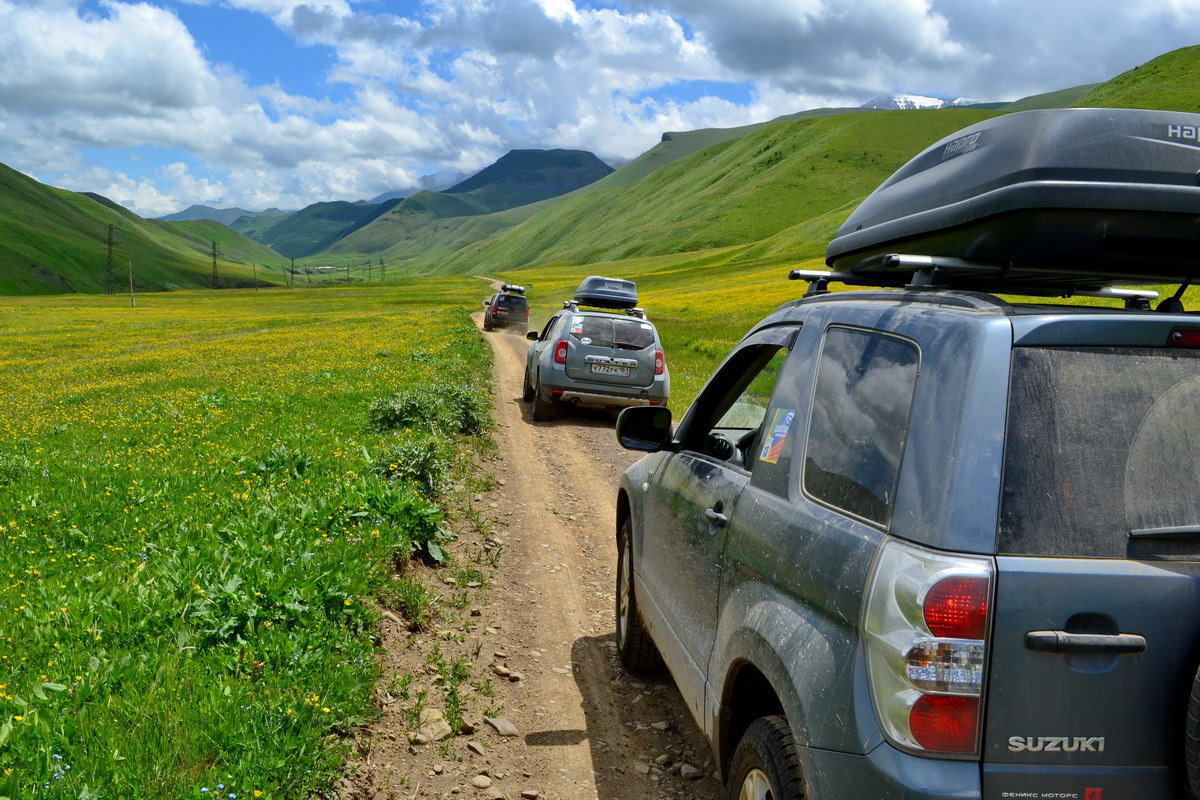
x=923 y=542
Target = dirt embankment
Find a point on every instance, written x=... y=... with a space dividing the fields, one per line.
x=580 y=727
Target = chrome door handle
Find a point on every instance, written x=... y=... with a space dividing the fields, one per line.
x=715 y=517
x=1065 y=642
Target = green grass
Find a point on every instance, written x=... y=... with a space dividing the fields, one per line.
x=193 y=530
x=1167 y=82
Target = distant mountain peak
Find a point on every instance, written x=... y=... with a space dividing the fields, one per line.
x=565 y=169
x=904 y=101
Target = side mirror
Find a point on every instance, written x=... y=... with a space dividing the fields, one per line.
x=487 y=303
x=645 y=428
x=532 y=336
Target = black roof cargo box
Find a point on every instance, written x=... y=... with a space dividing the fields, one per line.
x=1057 y=200
x=606 y=293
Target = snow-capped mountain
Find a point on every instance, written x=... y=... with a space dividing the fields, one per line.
x=907 y=101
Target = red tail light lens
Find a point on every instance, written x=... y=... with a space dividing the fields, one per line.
x=660 y=362
x=560 y=352
x=1184 y=337
x=495 y=311
x=945 y=723
x=956 y=607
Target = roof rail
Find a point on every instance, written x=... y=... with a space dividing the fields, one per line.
x=934 y=273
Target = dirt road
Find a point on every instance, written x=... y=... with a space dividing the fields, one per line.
x=582 y=729
x=590 y=731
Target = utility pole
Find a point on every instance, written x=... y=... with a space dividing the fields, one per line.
x=132 y=299
x=214 y=259
x=382 y=270
x=110 y=275
x=347 y=274
x=292 y=274
x=254 y=266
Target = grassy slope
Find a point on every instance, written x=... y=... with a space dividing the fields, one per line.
x=437 y=223
x=315 y=227
x=1167 y=82
x=52 y=241
x=1059 y=99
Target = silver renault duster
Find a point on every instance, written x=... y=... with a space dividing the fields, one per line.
x=599 y=351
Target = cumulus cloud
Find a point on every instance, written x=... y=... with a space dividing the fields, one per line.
x=446 y=86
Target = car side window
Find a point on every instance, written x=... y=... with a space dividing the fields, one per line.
x=859 y=421
x=728 y=419
x=546 y=330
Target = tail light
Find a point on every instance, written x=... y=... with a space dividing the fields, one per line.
x=660 y=362
x=926 y=629
x=560 y=352
x=495 y=311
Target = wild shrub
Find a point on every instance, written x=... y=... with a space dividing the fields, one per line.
x=446 y=409
x=420 y=458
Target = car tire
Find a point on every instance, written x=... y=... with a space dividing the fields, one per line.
x=634 y=646
x=527 y=390
x=766 y=763
x=543 y=406
x=1191 y=740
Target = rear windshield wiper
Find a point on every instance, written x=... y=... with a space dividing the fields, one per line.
x=1171 y=532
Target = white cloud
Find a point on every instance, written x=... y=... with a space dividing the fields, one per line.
x=450 y=85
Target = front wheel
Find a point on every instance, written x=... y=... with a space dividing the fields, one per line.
x=766 y=765
x=634 y=645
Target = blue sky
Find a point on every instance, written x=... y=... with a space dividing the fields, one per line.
x=257 y=103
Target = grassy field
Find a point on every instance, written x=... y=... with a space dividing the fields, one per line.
x=199 y=498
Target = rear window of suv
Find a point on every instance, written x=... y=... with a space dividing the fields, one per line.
x=625 y=334
x=1102 y=456
x=510 y=301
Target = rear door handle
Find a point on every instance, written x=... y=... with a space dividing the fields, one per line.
x=1065 y=642
x=715 y=517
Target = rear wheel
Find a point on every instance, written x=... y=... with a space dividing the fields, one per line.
x=1191 y=740
x=543 y=406
x=766 y=765
x=634 y=645
x=527 y=390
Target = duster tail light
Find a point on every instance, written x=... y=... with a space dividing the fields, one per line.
x=926 y=628
x=660 y=362
x=560 y=352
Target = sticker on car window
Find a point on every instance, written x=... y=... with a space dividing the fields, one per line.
x=645 y=326
x=585 y=340
x=576 y=324
x=773 y=447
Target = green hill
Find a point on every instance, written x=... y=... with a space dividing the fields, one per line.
x=440 y=222
x=53 y=241
x=315 y=227
x=1167 y=83
x=1062 y=98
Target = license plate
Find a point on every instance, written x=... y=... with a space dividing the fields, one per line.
x=609 y=369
